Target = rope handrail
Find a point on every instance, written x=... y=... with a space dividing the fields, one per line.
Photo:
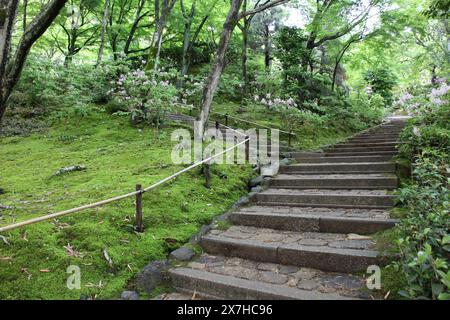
x=131 y=194
x=242 y=120
x=254 y=123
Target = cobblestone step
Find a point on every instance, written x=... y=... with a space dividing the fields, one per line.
x=338 y=149
x=366 y=144
x=353 y=159
x=332 y=252
x=335 y=181
x=362 y=167
x=222 y=277
x=377 y=136
x=370 y=140
x=359 y=153
x=343 y=198
x=317 y=222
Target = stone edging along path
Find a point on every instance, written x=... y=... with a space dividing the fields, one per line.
x=307 y=235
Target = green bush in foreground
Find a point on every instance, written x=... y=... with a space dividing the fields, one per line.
x=424 y=242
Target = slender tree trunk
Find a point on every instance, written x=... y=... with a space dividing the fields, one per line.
x=245 y=79
x=219 y=63
x=103 y=33
x=25 y=7
x=187 y=56
x=186 y=41
x=159 y=29
x=71 y=47
x=267 y=57
x=134 y=27
x=184 y=58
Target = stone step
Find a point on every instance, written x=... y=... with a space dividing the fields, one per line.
x=358 y=153
x=376 y=136
x=345 y=159
x=362 y=167
x=342 y=198
x=335 y=181
x=310 y=221
x=337 y=149
x=380 y=133
x=218 y=277
x=332 y=252
x=369 y=140
x=357 y=144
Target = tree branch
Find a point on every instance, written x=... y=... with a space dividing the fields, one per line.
x=265 y=6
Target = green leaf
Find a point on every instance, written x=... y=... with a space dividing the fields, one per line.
x=444 y=296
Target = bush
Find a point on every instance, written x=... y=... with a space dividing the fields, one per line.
x=424 y=242
x=148 y=100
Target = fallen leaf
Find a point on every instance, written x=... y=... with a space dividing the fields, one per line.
x=44 y=270
x=71 y=252
x=4 y=240
x=5 y=258
x=107 y=258
x=25 y=270
x=387 y=295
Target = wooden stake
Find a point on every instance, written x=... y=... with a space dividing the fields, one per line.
x=247 y=149
x=139 y=226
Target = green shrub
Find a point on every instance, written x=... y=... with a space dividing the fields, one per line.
x=424 y=242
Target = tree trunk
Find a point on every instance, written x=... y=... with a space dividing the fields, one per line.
x=217 y=68
x=25 y=6
x=267 y=58
x=11 y=67
x=134 y=27
x=102 y=35
x=245 y=81
x=71 y=47
x=159 y=29
x=186 y=42
x=8 y=13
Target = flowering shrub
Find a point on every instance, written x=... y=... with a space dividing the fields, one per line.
x=424 y=243
x=148 y=98
x=437 y=94
x=291 y=116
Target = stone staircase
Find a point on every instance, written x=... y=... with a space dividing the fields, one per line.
x=306 y=236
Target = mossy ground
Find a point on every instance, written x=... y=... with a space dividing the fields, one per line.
x=117 y=156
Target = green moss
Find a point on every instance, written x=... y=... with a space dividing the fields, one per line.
x=117 y=157
x=223 y=225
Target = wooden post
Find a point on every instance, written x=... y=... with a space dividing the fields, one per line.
x=226 y=119
x=207 y=172
x=190 y=111
x=289 y=139
x=139 y=227
x=217 y=125
x=247 y=149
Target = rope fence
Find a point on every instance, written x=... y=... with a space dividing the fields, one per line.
x=138 y=193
